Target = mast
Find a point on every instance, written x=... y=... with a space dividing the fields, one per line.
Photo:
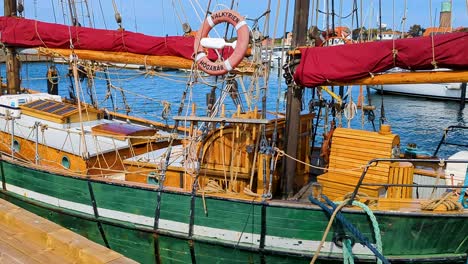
x=12 y=62
x=333 y=17
x=327 y=15
x=73 y=13
x=357 y=15
x=294 y=98
x=380 y=19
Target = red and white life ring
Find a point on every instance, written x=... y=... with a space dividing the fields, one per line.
x=222 y=67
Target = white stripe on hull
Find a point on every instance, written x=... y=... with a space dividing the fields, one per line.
x=272 y=242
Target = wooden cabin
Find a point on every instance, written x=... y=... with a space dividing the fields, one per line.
x=228 y=160
x=48 y=131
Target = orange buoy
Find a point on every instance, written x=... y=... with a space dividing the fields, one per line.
x=222 y=67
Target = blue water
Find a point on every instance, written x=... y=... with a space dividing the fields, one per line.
x=416 y=120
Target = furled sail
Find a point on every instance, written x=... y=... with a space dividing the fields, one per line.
x=27 y=33
x=345 y=63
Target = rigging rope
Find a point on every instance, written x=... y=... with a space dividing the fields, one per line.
x=183 y=11
x=449 y=200
x=269 y=150
x=102 y=14
x=341 y=13
x=177 y=13
x=383 y=119
x=88 y=13
x=282 y=153
x=117 y=16
x=403 y=19
x=109 y=91
x=84 y=154
x=434 y=62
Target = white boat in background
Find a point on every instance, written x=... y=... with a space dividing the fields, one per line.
x=444 y=91
x=276 y=55
x=447 y=91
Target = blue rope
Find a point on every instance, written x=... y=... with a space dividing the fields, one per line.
x=363 y=240
x=375 y=225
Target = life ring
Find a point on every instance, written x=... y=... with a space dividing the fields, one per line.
x=222 y=67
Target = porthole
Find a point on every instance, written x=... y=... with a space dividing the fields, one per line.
x=16 y=145
x=66 y=162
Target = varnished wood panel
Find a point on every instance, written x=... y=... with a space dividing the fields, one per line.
x=347 y=161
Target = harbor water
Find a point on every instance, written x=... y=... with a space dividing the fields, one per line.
x=157 y=96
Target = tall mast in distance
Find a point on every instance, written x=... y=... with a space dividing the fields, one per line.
x=12 y=62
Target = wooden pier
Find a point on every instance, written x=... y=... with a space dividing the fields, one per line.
x=28 y=238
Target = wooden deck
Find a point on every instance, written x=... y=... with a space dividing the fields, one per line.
x=28 y=238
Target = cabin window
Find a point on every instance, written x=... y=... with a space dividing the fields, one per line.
x=66 y=162
x=153 y=178
x=16 y=145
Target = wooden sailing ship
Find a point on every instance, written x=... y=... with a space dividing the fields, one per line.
x=239 y=190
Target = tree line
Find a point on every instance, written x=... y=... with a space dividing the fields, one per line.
x=372 y=33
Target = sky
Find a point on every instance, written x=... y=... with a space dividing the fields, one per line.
x=161 y=17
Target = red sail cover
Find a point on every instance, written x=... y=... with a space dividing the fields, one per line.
x=26 y=33
x=345 y=63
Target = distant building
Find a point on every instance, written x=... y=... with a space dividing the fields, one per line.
x=276 y=42
x=268 y=42
x=390 y=34
x=343 y=32
x=288 y=39
x=445 y=19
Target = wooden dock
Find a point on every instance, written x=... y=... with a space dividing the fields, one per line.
x=28 y=238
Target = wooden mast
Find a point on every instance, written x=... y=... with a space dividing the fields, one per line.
x=294 y=99
x=12 y=63
x=120 y=57
x=173 y=62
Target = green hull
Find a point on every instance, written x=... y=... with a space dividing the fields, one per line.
x=229 y=231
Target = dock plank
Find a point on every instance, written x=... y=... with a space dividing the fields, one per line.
x=28 y=238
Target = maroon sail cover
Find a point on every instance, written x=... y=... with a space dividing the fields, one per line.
x=26 y=33
x=345 y=63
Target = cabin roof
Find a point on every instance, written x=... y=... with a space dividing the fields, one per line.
x=55 y=111
x=51 y=107
x=69 y=140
